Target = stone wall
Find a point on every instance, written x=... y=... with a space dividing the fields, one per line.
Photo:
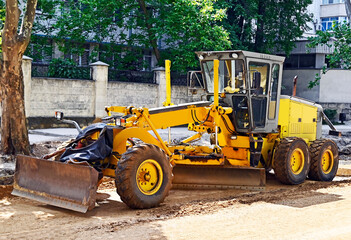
x=132 y=94
x=74 y=97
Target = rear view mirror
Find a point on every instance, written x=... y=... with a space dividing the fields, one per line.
x=59 y=115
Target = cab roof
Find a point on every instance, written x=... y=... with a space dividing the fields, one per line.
x=210 y=55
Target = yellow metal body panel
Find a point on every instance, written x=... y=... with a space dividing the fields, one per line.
x=120 y=137
x=176 y=118
x=168 y=83
x=297 y=119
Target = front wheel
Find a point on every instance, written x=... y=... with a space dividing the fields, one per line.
x=324 y=160
x=143 y=176
x=291 y=161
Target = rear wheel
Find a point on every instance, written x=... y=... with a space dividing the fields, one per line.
x=324 y=160
x=143 y=176
x=291 y=161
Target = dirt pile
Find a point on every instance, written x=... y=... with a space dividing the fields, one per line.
x=5 y=191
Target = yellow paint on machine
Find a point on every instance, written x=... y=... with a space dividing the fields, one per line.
x=297 y=119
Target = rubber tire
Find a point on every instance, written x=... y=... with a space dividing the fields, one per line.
x=126 y=171
x=281 y=162
x=317 y=148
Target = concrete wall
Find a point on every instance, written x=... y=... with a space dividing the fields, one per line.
x=145 y=95
x=304 y=77
x=332 y=10
x=83 y=100
x=131 y=94
x=73 y=97
x=335 y=87
x=333 y=92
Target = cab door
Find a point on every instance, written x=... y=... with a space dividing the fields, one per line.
x=264 y=82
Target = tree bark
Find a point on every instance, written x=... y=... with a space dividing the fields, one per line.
x=14 y=133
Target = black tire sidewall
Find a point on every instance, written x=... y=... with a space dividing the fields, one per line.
x=161 y=158
x=298 y=178
x=329 y=176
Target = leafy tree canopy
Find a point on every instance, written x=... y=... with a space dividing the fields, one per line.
x=339 y=39
x=266 y=25
x=184 y=26
x=172 y=29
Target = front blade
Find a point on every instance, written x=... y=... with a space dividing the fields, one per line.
x=191 y=176
x=64 y=185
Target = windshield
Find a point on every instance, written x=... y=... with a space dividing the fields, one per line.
x=231 y=76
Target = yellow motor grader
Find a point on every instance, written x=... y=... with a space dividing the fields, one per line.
x=252 y=128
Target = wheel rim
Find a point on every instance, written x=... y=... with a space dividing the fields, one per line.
x=297 y=161
x=327 y=161
x=149 y=177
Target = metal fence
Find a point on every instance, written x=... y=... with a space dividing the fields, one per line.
x=79 y=72
x=130 y=76
x=179 y=79
x=40 y=70
x=59 y=71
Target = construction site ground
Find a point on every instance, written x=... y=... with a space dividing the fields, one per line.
x=312 y=210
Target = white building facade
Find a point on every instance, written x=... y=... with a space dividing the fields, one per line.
x=335 y=86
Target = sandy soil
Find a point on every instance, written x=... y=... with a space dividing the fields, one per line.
x=313 y=210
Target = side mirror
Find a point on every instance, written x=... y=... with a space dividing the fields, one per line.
x=59 y=116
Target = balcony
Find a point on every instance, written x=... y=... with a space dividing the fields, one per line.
x=332 y=10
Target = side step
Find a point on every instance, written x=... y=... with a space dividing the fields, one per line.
x=63 y=185
x=219 y=177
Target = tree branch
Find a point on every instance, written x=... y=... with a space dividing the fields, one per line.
x=28 y=19
x=11 y=22
x=152 y=39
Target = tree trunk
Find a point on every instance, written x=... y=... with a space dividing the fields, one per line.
x=152 y=39
x=14 y=133
x=259 y=39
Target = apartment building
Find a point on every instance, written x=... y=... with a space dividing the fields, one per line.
x=335 y=85
x=325 y=14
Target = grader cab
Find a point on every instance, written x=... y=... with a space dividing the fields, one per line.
x=252 y=129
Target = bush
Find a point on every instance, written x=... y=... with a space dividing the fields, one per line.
x=67 y=68
x=331 y=114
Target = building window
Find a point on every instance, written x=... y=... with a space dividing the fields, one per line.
x=40 y=49
x=328 y=23
x=111 y=55
x=333 y=1
x=147 y=60
x=81 y=58
x=300 y=61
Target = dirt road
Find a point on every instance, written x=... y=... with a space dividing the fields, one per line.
x=313 y=210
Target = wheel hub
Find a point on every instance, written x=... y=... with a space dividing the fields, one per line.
x=149 y=177
x=327 y=161
x=297 y=161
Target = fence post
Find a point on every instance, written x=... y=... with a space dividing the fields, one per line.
x=99 y=73
x=160 y=79
x=27 y=81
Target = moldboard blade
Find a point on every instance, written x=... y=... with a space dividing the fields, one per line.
x=218 y=177
x=64 y=185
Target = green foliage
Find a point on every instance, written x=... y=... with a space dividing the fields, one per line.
x=2 y=20
x=265 y=25
x=66 y=68
x=41 y=48
x=189 y=26
x=184 y=26
x=339 y=37
x=330 y=113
